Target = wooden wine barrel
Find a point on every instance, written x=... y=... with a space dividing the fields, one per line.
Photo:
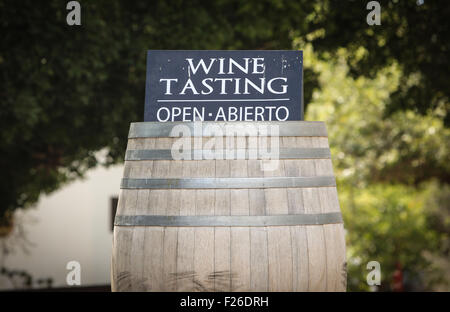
x=214 y=224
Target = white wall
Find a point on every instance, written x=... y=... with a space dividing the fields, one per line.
x=73 y=223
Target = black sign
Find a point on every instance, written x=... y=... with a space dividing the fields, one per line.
x=224 y=86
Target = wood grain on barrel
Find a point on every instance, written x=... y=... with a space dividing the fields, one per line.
x=315 y=234
x=222 y=235
x=170 y=239
x=299 y=243
x=240 y=236
x=154 y=255
x=334 y=235
x=184 y=275
x=267 y=258
x=278 y=237
x=259 y=269
x=204 y=236
x=138 y=239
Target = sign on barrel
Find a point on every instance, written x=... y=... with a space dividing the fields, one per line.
x=224 y=86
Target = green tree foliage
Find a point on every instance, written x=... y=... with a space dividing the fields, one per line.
x=392 y=215
x=388 y=224
x=411 y=34
x=405 y=148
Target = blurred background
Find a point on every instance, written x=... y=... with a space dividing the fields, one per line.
x=69 y=93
